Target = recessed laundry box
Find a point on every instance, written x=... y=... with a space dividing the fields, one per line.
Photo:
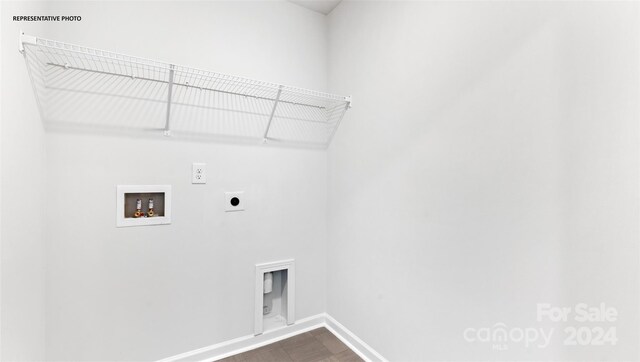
x=275 y=295
x=139 y=205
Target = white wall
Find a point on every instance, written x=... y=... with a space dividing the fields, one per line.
x=490 y=163
x=22 y=264
x=1 y=118
x=151 y=292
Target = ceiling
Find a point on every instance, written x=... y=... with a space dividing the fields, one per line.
x=320 y=6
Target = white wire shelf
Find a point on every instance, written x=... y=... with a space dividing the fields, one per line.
x=79 y=87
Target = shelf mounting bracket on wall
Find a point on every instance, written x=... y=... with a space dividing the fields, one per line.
x=167 y=129
x=25 y=39
x=273 y=111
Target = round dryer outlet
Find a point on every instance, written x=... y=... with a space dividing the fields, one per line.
x=234 y=201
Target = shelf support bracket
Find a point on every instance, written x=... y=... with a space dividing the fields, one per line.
x=167 y=129
x=273 y=111
x=25 y=39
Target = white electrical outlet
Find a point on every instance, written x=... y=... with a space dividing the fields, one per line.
x=199 y=173
x=234 y=201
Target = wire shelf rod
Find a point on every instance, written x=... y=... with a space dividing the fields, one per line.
x=185 y=85
x=188 y=105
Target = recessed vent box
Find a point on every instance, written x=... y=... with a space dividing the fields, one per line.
x=275 y=295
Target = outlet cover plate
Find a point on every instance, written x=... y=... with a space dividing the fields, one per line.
x=199 y=173
x=234 y=201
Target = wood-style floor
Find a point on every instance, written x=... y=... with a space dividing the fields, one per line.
x=318 y=345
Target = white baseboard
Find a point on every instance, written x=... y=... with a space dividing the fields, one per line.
x=352 y=341
x=242 y=344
